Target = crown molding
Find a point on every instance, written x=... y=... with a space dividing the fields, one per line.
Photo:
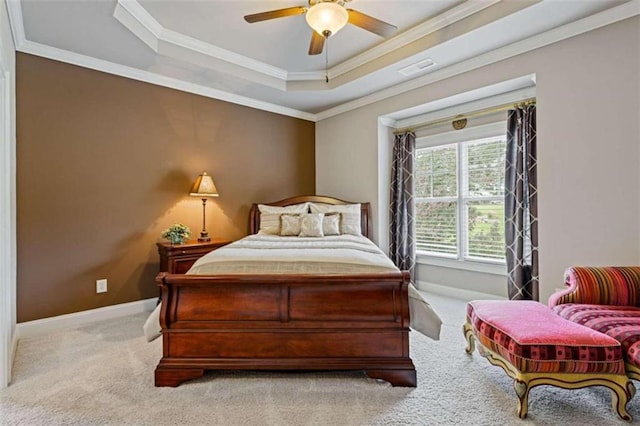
x=387 y=121
x=467 y=107
x=305 y=76
x=610 y=16
x=598 y=20
x=417 y=32
x=504 y=92
x=23 y=45
x=14 y=9
x=150 y=77
x=144 y=26
x=140 y=14
x=199 y=46
x=137 y=20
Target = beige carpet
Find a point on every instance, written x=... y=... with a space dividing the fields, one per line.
x=102 y=374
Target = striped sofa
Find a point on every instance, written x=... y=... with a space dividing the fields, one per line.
x=605 y=299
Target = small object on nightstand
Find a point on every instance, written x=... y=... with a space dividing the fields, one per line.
x=177 y=259
x=204 y=187
x=176 y=233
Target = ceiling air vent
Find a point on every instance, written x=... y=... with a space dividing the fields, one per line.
x=417 y=67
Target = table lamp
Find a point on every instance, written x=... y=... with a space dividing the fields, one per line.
x=203 y=188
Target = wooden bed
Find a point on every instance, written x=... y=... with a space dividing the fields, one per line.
x=286 y=322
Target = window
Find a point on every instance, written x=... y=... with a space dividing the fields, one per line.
x=460 y=200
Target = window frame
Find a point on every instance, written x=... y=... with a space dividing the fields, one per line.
x=459 y=261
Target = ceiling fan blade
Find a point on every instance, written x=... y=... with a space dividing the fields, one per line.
x=272 y=14
x=317 y=43
x=370 y=23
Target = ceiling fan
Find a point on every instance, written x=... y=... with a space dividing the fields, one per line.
x=327 y=17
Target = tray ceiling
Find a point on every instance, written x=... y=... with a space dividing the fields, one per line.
x=206 y=47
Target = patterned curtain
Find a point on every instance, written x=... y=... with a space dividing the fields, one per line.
x=521 y=204
x=402 y=247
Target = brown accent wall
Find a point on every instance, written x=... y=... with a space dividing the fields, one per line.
x=104 y=164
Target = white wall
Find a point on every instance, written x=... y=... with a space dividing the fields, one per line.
x=7 y=199
x=460 y=282
x=588 y=145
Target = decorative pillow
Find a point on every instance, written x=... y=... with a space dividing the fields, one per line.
x=290 y=224
x=331 y=224
x=350 y=223
x=311 y=225
x=269 y=223
x=270 y=216
x=350 y=215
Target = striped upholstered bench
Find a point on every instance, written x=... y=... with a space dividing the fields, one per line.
x=606 y=299
x=537 y=347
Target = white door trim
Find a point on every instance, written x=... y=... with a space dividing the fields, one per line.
x=7 y=228
x=6 y=326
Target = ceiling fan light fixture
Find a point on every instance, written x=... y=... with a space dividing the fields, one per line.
x=327 y=17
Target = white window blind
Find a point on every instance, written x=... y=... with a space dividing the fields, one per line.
x=436 y=195
x=460 y=200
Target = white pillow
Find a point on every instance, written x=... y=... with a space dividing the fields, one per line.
x=350 y=223
x=294 y=208
x=311 y=225
x=270 y=216
x=290 y=224
x=331 y=224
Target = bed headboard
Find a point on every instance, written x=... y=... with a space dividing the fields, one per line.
x=365 y=210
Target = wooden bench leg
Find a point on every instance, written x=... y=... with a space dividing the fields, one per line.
x=621 y=392
x=620 y=397
x=468 y=334
x=522 y=390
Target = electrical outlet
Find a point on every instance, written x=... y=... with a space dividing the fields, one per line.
x=101 y=286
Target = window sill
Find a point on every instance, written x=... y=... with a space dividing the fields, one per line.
x=467 y=265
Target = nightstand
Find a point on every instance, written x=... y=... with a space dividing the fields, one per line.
x=178 y=258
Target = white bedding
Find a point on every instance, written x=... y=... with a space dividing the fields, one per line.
x=272 y=254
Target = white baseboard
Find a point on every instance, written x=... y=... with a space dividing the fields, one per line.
x=456 y=293
x=14 y=348
x=61 y=322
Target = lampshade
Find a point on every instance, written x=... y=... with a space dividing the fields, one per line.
x=204 y=186
x=326 y=16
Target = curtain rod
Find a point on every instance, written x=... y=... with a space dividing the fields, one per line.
x=486 y=111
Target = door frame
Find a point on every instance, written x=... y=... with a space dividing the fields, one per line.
x=7 y=228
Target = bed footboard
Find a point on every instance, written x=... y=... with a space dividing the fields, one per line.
x=285 y=322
